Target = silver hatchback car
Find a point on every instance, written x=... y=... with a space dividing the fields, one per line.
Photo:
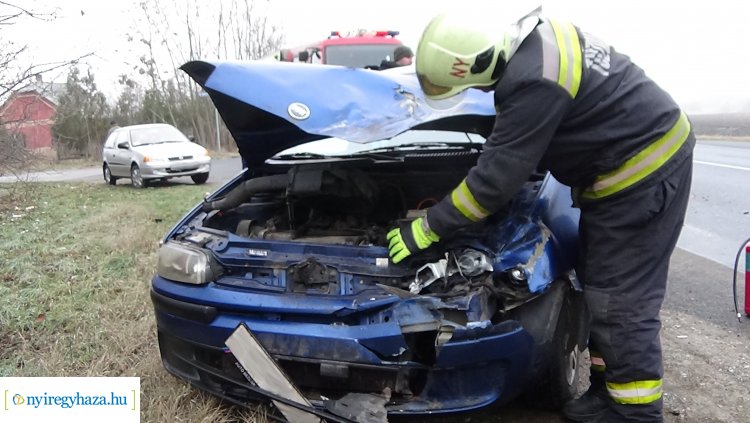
x=156 y=151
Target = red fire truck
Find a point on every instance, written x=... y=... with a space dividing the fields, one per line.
x=360 y=49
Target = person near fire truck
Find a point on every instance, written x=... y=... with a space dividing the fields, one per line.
x=402 y=56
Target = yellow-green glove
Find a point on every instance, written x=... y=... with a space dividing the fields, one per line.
x=410 y=238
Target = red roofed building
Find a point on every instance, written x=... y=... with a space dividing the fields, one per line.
x=30 y=112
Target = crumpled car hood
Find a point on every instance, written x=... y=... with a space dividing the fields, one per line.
x=272 y=106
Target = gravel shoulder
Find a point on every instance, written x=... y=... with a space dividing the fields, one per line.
x=707 y=370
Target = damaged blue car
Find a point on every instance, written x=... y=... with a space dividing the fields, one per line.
x=294 y=248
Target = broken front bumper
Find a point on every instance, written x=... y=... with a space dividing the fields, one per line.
x=328 y=351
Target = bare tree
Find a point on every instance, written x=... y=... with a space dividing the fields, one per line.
x=179 y=31
x=15 y=74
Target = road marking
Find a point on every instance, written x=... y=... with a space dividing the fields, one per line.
x=722 y=165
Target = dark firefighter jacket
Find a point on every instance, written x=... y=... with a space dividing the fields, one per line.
x=569 y=103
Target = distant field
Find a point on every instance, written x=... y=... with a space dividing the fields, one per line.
x=722 y=125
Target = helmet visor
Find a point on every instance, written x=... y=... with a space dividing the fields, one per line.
x=429 y=87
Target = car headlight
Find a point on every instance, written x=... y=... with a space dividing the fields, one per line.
x=186 y=263
x=153 y=160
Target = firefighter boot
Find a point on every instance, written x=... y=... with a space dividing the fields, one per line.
x=592 y=404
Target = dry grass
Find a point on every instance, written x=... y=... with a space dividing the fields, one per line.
x=76 y=263
x=724 y=126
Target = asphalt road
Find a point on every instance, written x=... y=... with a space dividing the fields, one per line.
x=221 y=171
x=718 y=217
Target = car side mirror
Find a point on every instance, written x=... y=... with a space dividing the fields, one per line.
x=123 y=145
x=191 y=138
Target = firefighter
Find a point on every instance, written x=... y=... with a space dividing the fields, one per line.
x=569 y=103
x=112 y=126
x=402 y=56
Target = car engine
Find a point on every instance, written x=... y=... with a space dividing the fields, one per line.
x=350 y=203
x=326 y=203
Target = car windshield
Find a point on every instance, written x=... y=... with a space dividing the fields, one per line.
x=359 y=55
x=409 y=140
x=156 y=135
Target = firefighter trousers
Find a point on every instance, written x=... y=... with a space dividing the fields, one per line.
x=626 y=244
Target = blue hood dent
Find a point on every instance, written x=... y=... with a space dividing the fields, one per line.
x=357 y=105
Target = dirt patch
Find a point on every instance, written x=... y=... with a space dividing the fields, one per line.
x=707 y=370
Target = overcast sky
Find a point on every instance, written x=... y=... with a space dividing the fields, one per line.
x=699 y=51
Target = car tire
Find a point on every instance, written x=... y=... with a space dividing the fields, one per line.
x=560 y=381
x=108 y=178
x=136 y=179
x=199 y=178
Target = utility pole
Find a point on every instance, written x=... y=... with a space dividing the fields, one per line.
x=218 y=134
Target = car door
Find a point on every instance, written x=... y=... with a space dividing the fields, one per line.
x=120 y=162
x=108 y=150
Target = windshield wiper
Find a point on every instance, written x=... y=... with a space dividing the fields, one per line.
x=297 y=156
x=412 y=146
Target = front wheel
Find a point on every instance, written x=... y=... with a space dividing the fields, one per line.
x=560 y=381
x=108 y=178
x=199 y=178
x=136 y=179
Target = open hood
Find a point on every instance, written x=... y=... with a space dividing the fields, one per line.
x=271 y=106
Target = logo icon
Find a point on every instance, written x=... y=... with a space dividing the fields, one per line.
x=18 y=399
x=298 y=111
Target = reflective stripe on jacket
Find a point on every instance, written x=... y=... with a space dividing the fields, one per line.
x=561 y=50
x=642 y=164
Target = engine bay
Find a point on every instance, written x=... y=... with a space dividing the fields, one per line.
x=355 y=203
x=331 y=203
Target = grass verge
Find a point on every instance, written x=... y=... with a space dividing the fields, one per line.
x=76 y=263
